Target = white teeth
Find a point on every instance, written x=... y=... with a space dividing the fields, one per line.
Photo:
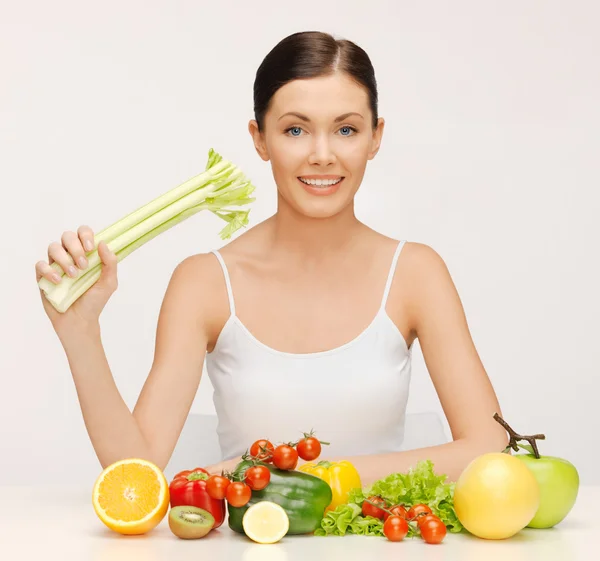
x=320 y=182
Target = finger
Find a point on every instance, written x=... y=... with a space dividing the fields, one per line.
x=107 y=256
x=43 y=269
x=57 y=253
x=108 y=274
x=86 y=236
x=74 y=247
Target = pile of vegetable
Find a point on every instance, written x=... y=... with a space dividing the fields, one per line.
x=264 y=484
x=303 y=497
x=326 y=498
x=268 y=473
x=409 y=496
x=496 y=496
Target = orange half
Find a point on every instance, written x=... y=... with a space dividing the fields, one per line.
x=131 y=496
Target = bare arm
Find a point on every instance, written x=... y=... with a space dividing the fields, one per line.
x=461 y=382
x=181 y=341
x=152 y=430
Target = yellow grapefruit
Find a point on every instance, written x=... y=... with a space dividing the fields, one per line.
x=495 y=497
x=131 y=496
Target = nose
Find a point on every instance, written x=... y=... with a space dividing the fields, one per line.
x=321 y=152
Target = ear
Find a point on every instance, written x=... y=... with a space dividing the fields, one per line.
x=258 y=139
x=377 y=135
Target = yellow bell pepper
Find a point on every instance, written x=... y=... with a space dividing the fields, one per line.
x=341 y=477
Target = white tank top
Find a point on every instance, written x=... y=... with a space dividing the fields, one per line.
x=353 y=396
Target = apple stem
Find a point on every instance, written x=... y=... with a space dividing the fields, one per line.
x=516 y=437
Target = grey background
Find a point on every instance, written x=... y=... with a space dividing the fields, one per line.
x=489 y=155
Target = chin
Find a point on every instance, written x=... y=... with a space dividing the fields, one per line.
x=321 y=208
x=316 y=206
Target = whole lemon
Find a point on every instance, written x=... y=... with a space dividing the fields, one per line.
x=496 y=496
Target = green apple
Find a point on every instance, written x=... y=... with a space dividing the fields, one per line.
x=559 y=484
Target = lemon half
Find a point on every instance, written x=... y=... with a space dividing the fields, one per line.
x=265 y=522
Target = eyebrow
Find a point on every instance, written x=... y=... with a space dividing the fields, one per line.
x=306 y=119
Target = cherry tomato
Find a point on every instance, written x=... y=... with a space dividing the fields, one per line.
x=432 y=530
x=257 y=451
x=370 y=510
x=309 y=448
x=395 y=528
x=216 y=486
x=238 y=494
x=397 y=510
x=423 y=517
x=285 y=457
x=417 y=510
x=257 y=477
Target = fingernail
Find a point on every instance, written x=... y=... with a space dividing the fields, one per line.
x=83 y=263
x=88 y=245
x=72 y=271
x=56 y=277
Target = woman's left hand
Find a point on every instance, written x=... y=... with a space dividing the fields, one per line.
x=227 y=465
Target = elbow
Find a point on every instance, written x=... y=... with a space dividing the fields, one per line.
x=160 y=465
x=160 y=461
x=474 y=445
x=493 y=440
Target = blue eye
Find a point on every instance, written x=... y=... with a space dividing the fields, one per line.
x=350 y=129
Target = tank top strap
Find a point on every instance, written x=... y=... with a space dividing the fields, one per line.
x=227 y=281
x=388 y=284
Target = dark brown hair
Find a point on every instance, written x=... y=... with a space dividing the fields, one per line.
x=311 y=54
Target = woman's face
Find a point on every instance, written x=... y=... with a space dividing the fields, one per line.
x=318 y=130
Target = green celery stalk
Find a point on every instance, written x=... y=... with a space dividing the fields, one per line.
x=219 y=187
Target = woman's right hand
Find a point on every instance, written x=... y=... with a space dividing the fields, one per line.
x=71 y=256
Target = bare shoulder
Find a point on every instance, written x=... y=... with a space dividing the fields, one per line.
x=421 y=278
x=418 y=263
x=423 y=261
x=194 y=285
x=199 y=271
x=425 y=269
x=430 y=287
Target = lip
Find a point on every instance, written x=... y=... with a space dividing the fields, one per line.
x=321 y=176
x=321 y=191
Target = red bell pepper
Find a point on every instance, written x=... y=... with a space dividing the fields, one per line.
x=188 y=488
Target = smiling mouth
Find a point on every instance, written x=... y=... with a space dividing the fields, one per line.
x=321 y=187
x=320 y=182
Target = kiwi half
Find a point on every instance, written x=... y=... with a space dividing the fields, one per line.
x=190 y=522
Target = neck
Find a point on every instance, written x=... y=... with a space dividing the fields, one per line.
x=313 y=239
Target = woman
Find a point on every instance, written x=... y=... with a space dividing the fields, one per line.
x=307 y=320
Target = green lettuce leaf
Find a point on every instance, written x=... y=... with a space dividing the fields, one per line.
x=419 y=485
x=347 y=519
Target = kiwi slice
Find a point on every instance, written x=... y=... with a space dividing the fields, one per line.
x=190 y=522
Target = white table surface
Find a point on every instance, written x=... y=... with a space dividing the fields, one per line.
x=46 y=523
